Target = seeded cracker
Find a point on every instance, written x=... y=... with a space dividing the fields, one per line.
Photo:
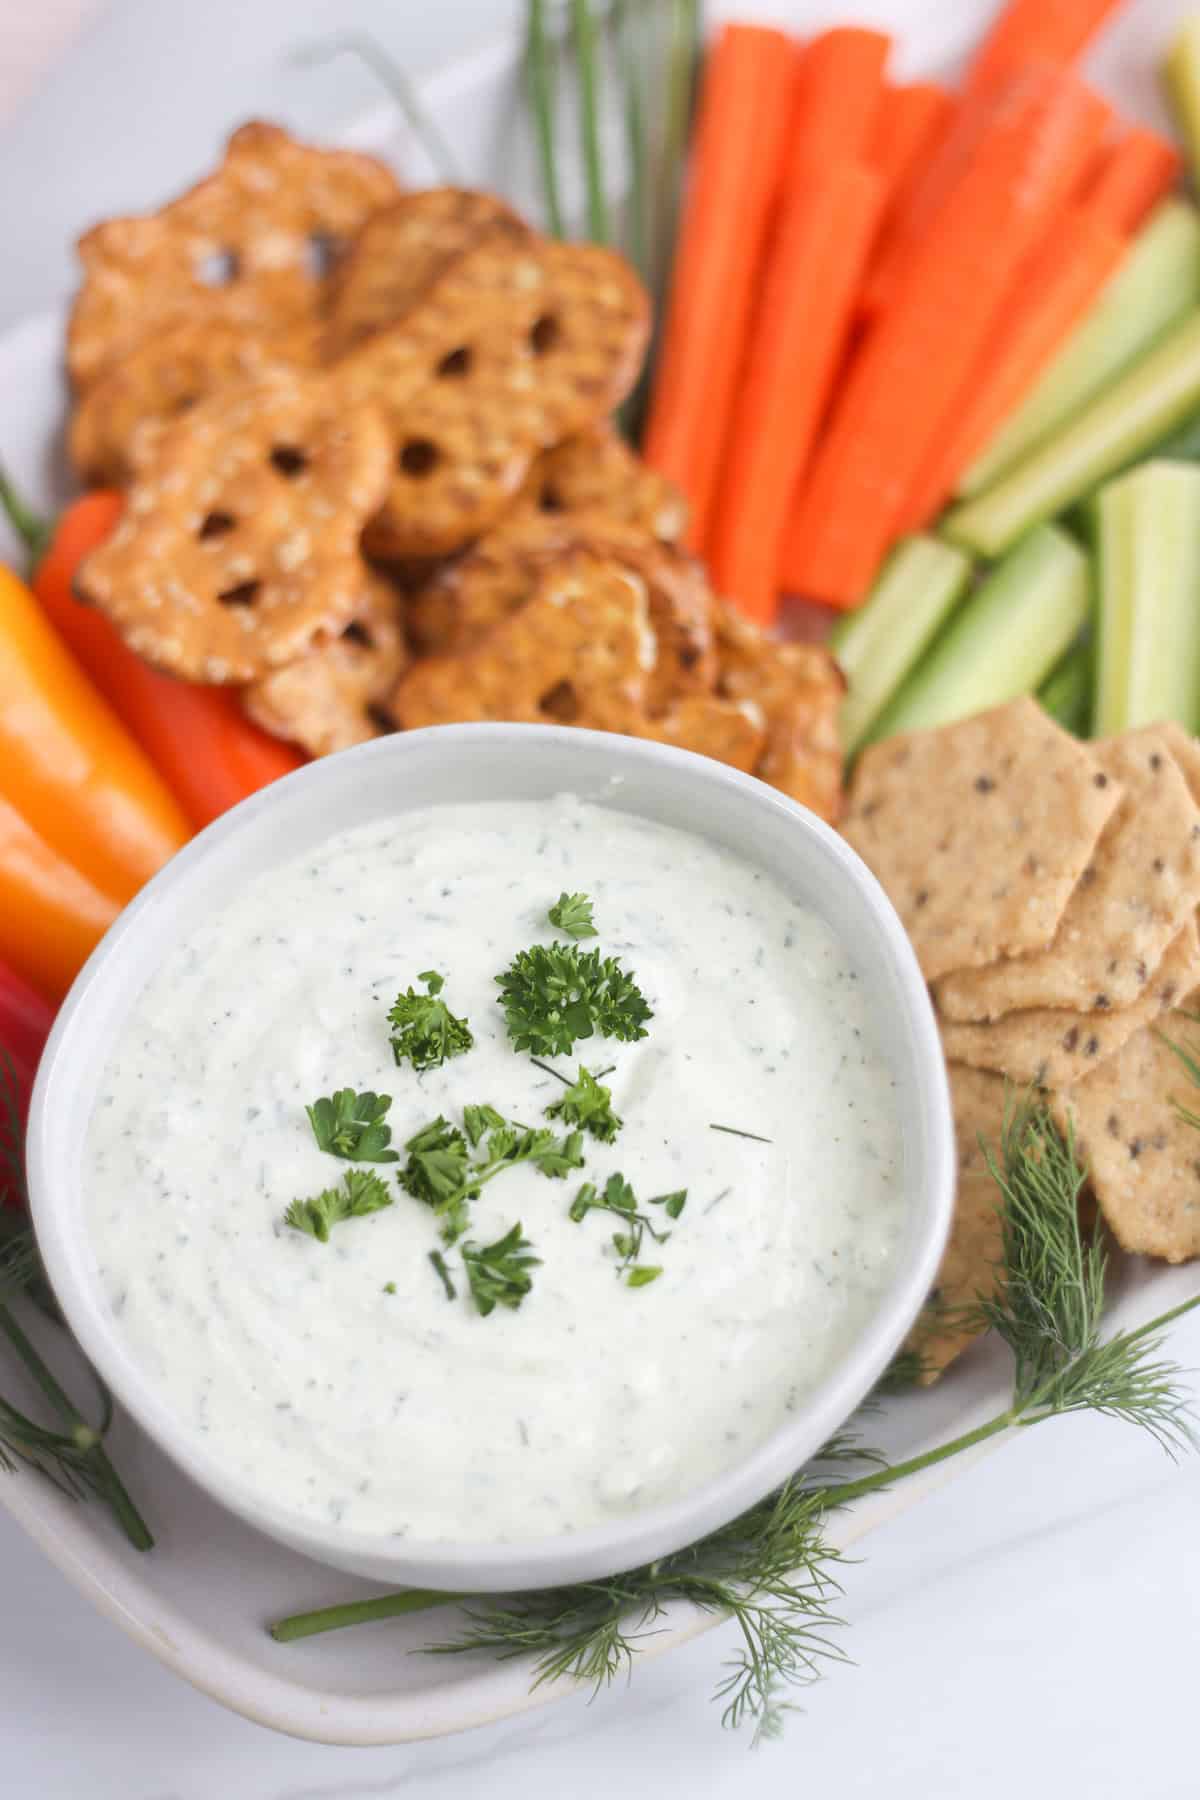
x=1144 y=1160
x=239 y=545
x=1134 y=896
x=1186 y=752
x=976 y=1245
x=331 y=698
x=979 y=831
x=1053 y=1047
x=794 y=691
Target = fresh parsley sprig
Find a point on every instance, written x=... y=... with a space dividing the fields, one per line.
x=572 y=913
x=447 y=1167
x=425 y=1031
x=618 y=1197
x=588 y=1104
x=351 y=1126
x=554 y=994
x=360 y=1193
x=499 y=1273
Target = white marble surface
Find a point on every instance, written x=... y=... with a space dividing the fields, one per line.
x=1033 y=1628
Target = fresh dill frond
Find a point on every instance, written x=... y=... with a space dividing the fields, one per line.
x=499 y=1273
x=425 y=1031
x=572 y=913
x=588 y=1104
x=447 y=1168
x=351 y=1126
x=1189 y=1059
x=554 y=994
x=360 y=1193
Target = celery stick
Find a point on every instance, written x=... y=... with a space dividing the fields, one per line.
x=1148 y=564
x=1150 y=399
x=1004 y=641
x=1067 y=694
x=878 y=645
x=1155 y=285
x=1181 y=73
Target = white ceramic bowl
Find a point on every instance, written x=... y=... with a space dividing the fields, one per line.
x=497 y=762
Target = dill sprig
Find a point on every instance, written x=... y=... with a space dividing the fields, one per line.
x=425 y=1031
x=553 y=994
x=774 y=1570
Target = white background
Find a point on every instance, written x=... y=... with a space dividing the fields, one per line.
x=1034 y=1628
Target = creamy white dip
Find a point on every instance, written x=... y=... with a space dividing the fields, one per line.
x=400 y=1412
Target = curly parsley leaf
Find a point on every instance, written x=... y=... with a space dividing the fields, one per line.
x=572 y=913
x=587 y=1104
x=360 y=1193
x=554 y=994
x=425 y=1031
x=499 y=1273
x=351 y=1126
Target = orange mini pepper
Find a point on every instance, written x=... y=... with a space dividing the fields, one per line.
x=51 y=916
x=67 y=764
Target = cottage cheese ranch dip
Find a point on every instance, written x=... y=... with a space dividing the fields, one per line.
x=339 y=1378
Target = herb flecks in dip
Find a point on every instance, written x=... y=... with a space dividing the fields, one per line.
x=339 y=1378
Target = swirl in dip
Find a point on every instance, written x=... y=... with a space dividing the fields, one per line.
x=338 y=1379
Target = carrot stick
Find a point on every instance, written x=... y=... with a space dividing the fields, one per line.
x=1054 y=31
x=914 y=362
x=746 y=107
x=840 y=89
x=909 y=122
x=206 y=750
x=1132 y=178
x=1054 y=289
x=800 y=330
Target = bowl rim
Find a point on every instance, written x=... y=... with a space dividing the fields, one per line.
x=627 y=1540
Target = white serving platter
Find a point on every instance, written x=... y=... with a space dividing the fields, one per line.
x=201 y=1600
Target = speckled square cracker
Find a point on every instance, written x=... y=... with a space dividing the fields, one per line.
x=1186 y=751
x=1134 y=895
x=979 y=831
x=1053 y=1046
x=1144 y=1159
x=976 y=1246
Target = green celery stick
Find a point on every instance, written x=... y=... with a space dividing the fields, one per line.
x=1155 y=285
x=1148 y=567
x=878 y=645
x=1181 y=75
x=1067 y=694
x=1004 y=641
x=1150 y=399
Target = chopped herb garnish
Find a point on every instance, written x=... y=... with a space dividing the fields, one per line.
x=389 y=1287
x=572 y=913
x=734 y=1132
x=499 y=1273
x=643 y=1275
x=619 y=1198
x=589 y=1105
x=425 y=1031
x=350 y=1125
x=554 y=994
x=360 y=1193
x=439 y=1263
x=446 y=1167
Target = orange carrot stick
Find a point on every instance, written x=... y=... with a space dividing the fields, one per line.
x=909 y=122
x=914 y=363
x=1054 y=289
x=1135 y=174
x=840 y=89
x=746 y=107
x=801 y=325
x=1027 y=31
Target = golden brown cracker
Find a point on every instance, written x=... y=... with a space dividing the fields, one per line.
x=158 y=379
x=979 y=832
x=400 y=251
x=239 y=545
x=712 y=727
x=1143 y=1158
x=796 y=691
x=578 y=653
x=975 y=1250
x=247 y=245
x=1052 y=1047
x=334 y=695
x=1186 y=751
x=1135 y=893
x=595 y=472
